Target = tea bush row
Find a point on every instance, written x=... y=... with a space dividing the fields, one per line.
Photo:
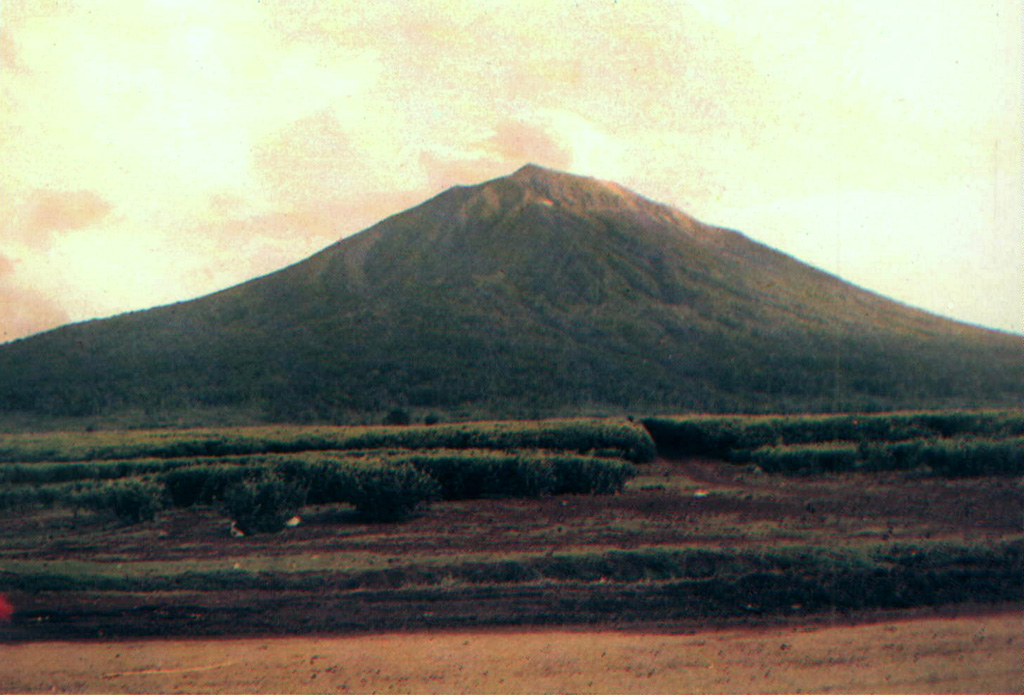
x=472 y=475
x=462 y=473
x=260 y=492
x=259 y=498
x=734 y=437
x=50 y=472
x=617 y=438
x=945 y=457
x=328 y=476
x=379 y=490
x=57 y=472
x=130 y=500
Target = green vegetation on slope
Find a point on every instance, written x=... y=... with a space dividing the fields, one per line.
x=534 y=295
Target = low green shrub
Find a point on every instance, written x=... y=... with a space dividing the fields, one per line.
x=711 y=436
x=973 y=457
x=131 y=501
x=577 y=475
x=204 y=483
x=379 y=490
x=45 y=496
x=889 y=456
x=459 y=475
x=472 y=474
x=330 y=481
x=629 y=440
x=810 y=458
x=944 y=457
x=134 y=501
x=735 y=437
x=263 y=504
x=46 y=473
x=391 y=493
x=383 y=484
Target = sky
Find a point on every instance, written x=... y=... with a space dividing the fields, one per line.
x=153 y=151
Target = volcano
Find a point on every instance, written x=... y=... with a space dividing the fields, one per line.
x=540 y=293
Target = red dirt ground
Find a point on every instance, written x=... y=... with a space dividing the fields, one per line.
x=658 y=509
x=946 y=652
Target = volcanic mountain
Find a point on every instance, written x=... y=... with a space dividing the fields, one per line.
x=539 y=293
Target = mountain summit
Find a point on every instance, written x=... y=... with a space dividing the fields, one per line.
x=538 y=293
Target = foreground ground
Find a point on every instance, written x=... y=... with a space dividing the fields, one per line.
x=700 y=577
x=550 y=561
x=950 y=650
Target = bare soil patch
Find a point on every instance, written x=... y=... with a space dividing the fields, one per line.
x=951 y=651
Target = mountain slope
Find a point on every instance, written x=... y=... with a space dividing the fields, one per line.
x=537 y=293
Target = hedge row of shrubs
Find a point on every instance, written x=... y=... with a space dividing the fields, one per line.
x=732 y=436
x=259 y=493
x=474 y=474
x=55 y=472
x=260 y=497
x=950 y=443
x=463 y=473
x=49 y=473
x=257 y=498
x=616 y=438
x=330 y=478
x=131 y=500
x=945 y=457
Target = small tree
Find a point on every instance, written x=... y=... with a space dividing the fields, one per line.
x=390 y=493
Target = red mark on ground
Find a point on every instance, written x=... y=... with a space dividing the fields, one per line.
x=6 y=609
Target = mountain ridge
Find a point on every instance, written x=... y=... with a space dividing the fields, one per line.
x=535 y=293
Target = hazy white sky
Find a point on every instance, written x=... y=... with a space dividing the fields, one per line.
x=157 y=150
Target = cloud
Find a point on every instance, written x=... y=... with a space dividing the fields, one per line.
x=314 y=225
x=444 y=171
x=313 y=159
x=58 y=211
x=321 y=184
x=317 y=183
x=512 y=143
x=23 y=309
x=515 y=141
x=10 y=58
x=153 y=103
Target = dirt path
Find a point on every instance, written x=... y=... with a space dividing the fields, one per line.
x=973 y=653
